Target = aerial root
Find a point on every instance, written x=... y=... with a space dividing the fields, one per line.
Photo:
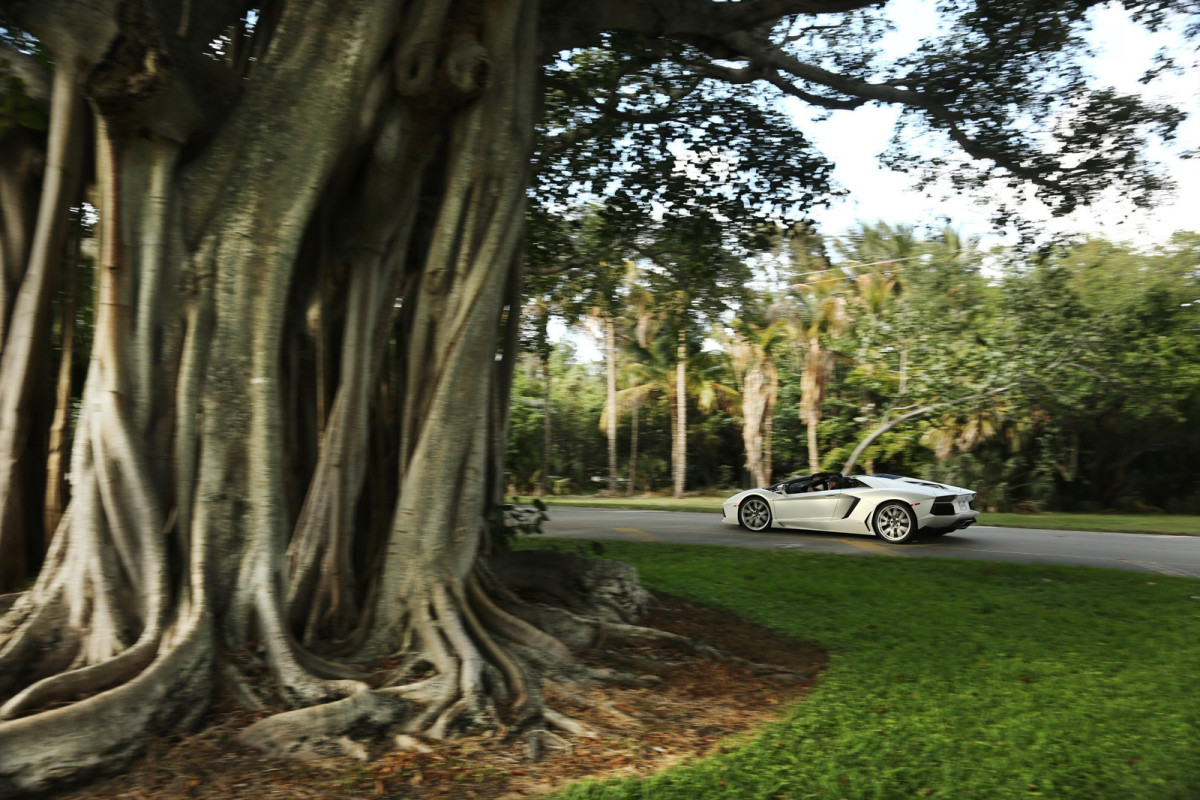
x=565 y=723
x=7 y=602
x=540 y=740
x=301 y=676
x=635 y=634
x=423 y=691
x=325 y=668
x=30 y=648
x=410 y=744
x=328 y=730
x=86 y=680
x=452 y=714
x=774 y=671
x=602 y=706
x=243 y=695
x=101 y=733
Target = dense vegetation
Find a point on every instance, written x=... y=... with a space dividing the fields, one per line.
x=1066 y=380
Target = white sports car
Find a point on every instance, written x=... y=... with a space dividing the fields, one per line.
x=892 y=507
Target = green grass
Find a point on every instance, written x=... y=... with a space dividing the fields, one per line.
x=950 y=679
x=1118 y=523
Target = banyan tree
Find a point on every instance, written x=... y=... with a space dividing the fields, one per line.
x=260 y=272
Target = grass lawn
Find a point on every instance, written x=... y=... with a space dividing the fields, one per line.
x=1119 y=523
x=949 y=679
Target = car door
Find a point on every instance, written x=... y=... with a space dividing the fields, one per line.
x=799 y=507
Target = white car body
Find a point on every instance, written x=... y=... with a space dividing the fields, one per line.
x=892 y=507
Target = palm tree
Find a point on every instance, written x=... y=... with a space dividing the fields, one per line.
x=822 y=314
x=752 y=350
x=820 y=292
x=607 y=318
x=669 y=367
x=537 y=319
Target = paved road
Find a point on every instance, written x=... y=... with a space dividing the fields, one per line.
x=1166 y=555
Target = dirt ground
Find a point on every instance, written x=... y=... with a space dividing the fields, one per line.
x=636 y=731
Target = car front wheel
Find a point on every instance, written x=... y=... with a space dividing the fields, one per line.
x=895 y=522
x=754 y=514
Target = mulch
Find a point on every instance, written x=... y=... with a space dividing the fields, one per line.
x=692 y=707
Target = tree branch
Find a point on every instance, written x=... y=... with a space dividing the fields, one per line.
x=570 y=24
x=764 y=53
x=887 y=426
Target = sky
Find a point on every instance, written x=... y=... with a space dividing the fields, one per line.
x=1123 y=50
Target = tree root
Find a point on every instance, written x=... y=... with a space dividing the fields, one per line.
x=83 y=681
x=30 y=647
x=241 y=691
x=607 y=590
x=602 y=706
x=565 y=723
x=538 y=741
x=60 y=745
x=327 y=730
x=635 y=634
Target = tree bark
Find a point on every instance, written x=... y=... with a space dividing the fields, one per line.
x=812 y=395
x=633 y=447
x=56 y=496
x=679 y=441
x=217 y=507
x=544 y=485
x=25 y=339
x=610 y=361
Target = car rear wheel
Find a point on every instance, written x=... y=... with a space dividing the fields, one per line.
x=895 y=522
x=754 y=514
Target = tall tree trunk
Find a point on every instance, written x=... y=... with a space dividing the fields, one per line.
x=610 y=360
x=55 y=502
x=679 y=442
x=814 y=457
x=544 y=486
x=633 y=447
x=812 y=395
x=25 y=340
x=191 y=533
x=769 y=424
x=754 y=409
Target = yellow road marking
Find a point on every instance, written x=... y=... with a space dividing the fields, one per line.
x=638 y=534
x=1161 y=569
x=872 y=547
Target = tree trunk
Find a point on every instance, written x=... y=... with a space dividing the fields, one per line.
x=814 y=456
x=754 y=409
x=812 y=395
x=769 y=423
x=633 y=447
x=199 y=524
x=56 y=495
x=610 y=360
x=679 y=441
x=544 y=485
x=25 y=338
